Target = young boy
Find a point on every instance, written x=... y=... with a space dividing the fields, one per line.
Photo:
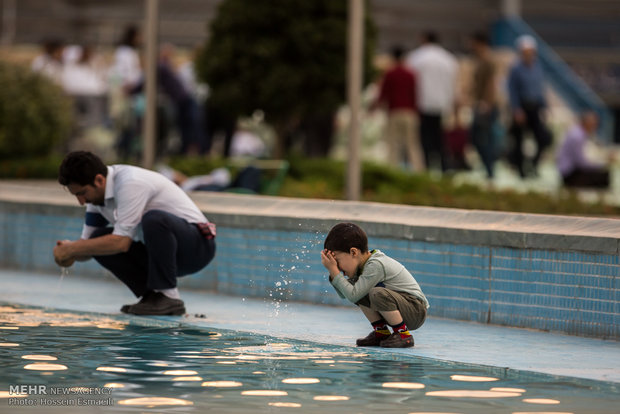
x=384 y=290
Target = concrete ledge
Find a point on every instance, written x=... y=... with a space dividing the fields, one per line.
x=438 y=225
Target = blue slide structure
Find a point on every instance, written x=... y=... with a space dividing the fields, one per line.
x=570 y=87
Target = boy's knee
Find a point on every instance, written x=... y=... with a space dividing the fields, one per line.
x=381 y=299
x=377 y=294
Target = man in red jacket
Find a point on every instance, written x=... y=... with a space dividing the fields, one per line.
x=398 y=93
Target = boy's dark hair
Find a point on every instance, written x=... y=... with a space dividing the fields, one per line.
x=81 y=167
x=343 y=236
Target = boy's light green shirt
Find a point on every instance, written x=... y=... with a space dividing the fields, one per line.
x=379 y=268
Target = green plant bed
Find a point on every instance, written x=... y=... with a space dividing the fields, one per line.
x=325 y=179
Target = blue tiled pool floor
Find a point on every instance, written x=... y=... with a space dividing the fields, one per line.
x=442 y=339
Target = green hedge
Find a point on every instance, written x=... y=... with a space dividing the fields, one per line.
x=35 y=114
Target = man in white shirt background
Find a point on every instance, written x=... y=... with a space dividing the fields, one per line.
x=436 y=71
x=140 y=226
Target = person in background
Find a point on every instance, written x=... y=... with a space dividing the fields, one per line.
x=576 y=169
x=398 y=93
x=126 y=67
x=484 y=96
x=185 y=106
x=436 y=72
x=200 y=93
x=126 y=111
x=527 y=102
x=50 y=62
x=84 y=73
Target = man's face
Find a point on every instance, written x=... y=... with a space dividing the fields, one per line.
x=90 y=193
x=590 y=122
x=348 y=263
x=528 y=55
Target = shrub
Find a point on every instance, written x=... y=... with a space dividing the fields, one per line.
x=35 y=114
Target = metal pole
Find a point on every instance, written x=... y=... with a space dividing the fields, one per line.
x=511 y=8
x=149 y=123
x=9 y=22
x=354 y=92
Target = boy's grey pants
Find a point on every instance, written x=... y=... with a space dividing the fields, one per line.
x=410 y=307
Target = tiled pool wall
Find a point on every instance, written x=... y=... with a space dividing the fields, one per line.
x=549 y=289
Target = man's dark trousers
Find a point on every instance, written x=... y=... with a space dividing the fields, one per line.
x=172 y=247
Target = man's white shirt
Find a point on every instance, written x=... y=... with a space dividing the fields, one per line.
x=131 y=192
x=436 y=72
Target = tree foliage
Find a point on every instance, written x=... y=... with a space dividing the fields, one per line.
x=35 y=114
x=284 y=57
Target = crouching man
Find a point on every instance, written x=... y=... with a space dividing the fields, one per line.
x=140 y=226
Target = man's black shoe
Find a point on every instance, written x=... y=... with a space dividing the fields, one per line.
x=125 y=308
x=157 y=304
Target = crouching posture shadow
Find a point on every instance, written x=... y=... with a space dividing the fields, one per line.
x=140 y=226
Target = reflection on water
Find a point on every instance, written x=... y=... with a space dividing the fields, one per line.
x=154 y=401
x=301 y=380
x=180 y=372
x=331 y=398
x=178 y=368
x=403 y=385
x=285 y=404
x=473 y=394
x=42 y=366
x=264 y=393
x=111 y=369
x=472 y=378
x=27 y=317
x=222 y=384
x=540 y=401
x=186 y=379
x=39 y=357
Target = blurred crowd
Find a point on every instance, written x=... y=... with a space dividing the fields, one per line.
x=420 y=91
x=423 y=93
x=109 y=101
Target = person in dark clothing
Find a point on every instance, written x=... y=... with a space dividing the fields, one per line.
x=527 y=102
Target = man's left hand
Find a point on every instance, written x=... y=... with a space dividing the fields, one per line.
x=62 y=253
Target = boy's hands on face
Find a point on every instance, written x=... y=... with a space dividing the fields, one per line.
x=329 y=261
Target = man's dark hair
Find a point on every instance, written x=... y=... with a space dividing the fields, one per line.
x=343 y=236
x=81 y=167
x=397 y=52
x=129 y=37
x=430 y=36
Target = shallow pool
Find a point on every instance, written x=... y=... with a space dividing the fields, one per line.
x=56 y=361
